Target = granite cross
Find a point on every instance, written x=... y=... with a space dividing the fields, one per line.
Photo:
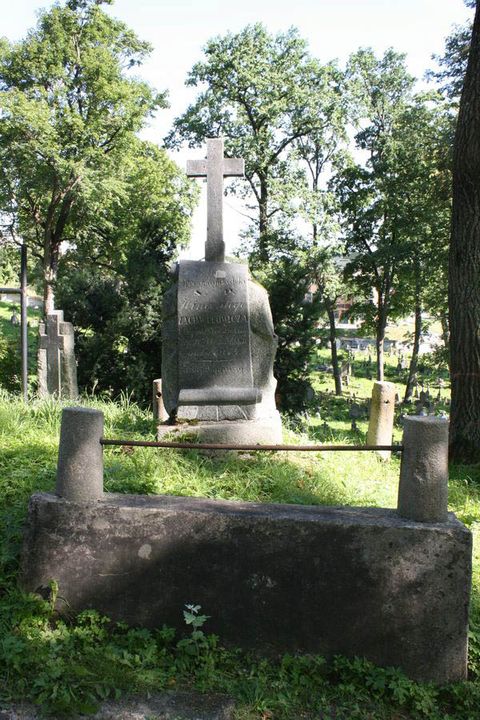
x=215 y=168
x=52 y=341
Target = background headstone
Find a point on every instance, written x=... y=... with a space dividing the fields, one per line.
x=57 y=367
x=382 y=412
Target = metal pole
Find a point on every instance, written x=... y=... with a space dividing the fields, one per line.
x=217 y=446
x=24 y=320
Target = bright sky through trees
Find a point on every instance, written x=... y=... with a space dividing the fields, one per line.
x=178 y=30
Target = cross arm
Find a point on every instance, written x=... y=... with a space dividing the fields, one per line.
x=233 y=167
x=197 y=168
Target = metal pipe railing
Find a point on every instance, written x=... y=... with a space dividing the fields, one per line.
x=274 y=448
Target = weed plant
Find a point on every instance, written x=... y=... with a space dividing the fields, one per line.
x=67 y=665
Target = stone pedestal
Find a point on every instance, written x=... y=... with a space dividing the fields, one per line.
x=219 y=346
x=273 y=578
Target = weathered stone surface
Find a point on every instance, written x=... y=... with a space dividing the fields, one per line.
x=423 y=487
x=217 y=355
x=356 y=581
x=213 y=326
x=382 y=413
x=174 y=705
x=261 y=343
x=215 y=168
x=159 y=412
x=259 y=431
x=80 y=455
x=57 y=368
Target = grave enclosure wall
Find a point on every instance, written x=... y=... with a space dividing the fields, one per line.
x=275 y=578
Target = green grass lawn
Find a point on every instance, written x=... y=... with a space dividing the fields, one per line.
x=72 y=664
x=11 y=333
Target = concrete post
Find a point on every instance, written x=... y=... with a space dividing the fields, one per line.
x=423 y=488
x=382 y=412
x=159 y=411
x=80 y=455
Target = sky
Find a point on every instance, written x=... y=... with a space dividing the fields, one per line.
x=179 y=29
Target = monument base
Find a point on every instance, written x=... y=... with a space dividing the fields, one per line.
x=273 y=578
x=264 y=431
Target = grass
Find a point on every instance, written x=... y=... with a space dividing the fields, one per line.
x=10 y=361
x=65 y=666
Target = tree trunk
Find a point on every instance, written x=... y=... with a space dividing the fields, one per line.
x=380 y=337
x=263 y=220
x=416 y=345
x=333 y=347
x=50 y=266
x=464 y=267
x=445 y=330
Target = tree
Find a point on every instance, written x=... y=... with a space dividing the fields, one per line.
x=464 y=266
x=112 y=284
x=69 y=110
x=263 y=93
x=453 y=63
x=391 y=203
x=296 y=312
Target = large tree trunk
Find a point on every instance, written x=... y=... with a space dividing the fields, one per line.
x=333 y=348
x=416 y=344
x=464 y=267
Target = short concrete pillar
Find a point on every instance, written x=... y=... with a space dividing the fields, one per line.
x=159 y=411
x=80 y=455
x=423 y=488
x=382 y=413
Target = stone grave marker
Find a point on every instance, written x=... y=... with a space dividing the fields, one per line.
x=218 y=337
x=57 y=368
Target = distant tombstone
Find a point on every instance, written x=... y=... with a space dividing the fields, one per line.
x=14 y=320
x=218 y=337
x=57 y=368
x=382 y=412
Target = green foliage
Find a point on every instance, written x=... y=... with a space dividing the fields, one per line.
x=112 y=288
x=262 y=92
x=10 y=358
x=9 y=364
x=70 y=108
x=395 y=205
x=295 y=316
x=67 y=664
x=452 y=65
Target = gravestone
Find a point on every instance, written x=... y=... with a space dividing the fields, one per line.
x=218 y=337
x=382 y=413
x=57 y=368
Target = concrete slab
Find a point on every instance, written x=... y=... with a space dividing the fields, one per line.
x=274 y=578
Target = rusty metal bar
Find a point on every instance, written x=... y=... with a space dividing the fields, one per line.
x=216 y=446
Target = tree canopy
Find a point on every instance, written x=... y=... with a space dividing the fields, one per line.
x=70 y=106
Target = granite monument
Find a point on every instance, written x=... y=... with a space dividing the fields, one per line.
x=218 y=338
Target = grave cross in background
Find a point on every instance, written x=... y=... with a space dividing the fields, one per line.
x=57 y=370
x=215 y=168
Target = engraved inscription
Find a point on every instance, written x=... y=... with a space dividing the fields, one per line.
x=213 y=325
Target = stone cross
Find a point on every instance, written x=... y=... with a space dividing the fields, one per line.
x=56 y=358
x=215 y=168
